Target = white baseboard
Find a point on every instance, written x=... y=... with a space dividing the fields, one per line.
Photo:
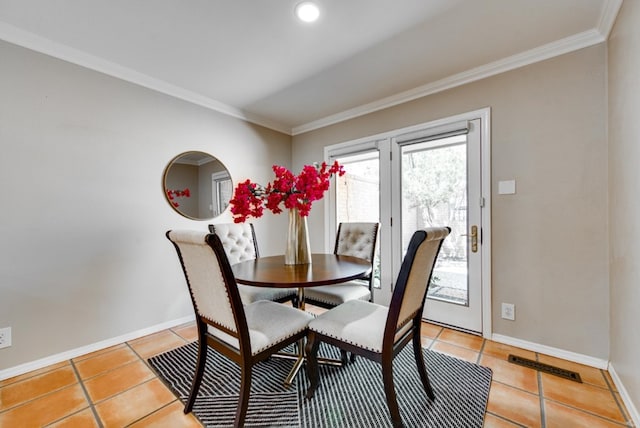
x=631 y=408
x=73 y=353
x=554 y=352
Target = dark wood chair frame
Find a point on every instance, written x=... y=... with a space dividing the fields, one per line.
x=292 y=298
x=391 y=346
x=242 y=356
x=368 y=278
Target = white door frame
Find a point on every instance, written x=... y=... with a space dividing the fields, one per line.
x=484 y=115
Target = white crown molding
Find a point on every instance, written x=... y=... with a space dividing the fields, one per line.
x=83 y=350
x=36 y=43
x=541 y=53
x=608 y=15
x=626 y=398
x=587 y=360
x=588 y=38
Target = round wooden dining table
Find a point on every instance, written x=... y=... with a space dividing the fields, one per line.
x=324 y=269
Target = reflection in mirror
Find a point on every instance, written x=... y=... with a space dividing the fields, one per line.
x=197 y=185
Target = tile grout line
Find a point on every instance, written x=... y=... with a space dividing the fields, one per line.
x=581 y=410
x=433 y=340
x=140 y=358
x=506 y=419
x=143 y=359
x=439 y=333
x=30 y=375
x=480 y=352
x=517 y=388
x=595 y=415
x=149 y=414
x=86 y=394
x=155 y=376
x=628 y=422
x=32 y=399
x=543 y=415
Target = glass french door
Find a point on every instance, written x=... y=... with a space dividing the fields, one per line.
x=439 y=185
x=416 y=178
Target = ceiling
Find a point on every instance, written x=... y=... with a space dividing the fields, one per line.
x=252 y=59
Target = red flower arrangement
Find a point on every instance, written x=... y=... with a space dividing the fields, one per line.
x=250 y=199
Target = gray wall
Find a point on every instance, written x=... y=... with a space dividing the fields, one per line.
x=624 y=200
x=83 y=253
x=550 y=240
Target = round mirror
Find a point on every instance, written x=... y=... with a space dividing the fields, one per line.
x=197 y=185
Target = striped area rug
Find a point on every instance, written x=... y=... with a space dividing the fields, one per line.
x=349 y=397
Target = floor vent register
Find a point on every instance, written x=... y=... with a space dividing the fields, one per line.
x=545 y=368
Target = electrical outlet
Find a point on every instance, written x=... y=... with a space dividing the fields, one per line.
x=5 y=337
x=509 y=311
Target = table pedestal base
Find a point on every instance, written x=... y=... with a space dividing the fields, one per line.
x=300 y=358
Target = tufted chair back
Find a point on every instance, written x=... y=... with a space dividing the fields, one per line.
x=240 y=244
x=238 y=240
x=357 y=240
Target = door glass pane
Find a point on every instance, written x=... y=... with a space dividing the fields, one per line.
x=434 y=193
x=358 y=194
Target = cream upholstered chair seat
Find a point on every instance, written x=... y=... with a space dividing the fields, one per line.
x=358 y=323
x=356 y=240
x=240 y=244
x=263 y=319
x=380 y=333
x=246 y=334
x=337 y=294
x=270 y=323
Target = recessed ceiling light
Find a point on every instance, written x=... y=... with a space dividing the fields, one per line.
x=307 y=11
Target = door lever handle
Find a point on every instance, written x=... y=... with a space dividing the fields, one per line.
x=474 y=238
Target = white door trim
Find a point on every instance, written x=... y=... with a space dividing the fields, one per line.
x=485 y=120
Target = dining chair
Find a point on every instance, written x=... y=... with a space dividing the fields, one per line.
x=352 y=239
x=240 y=244
x=380 y=333
x=246 y=334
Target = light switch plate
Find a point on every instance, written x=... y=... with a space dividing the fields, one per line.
x=507 y=187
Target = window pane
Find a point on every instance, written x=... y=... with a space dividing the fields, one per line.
x=434 y=193
x=358 y=195
x=358 y=191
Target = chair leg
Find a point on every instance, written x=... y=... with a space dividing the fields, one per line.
x=311 y=350
x=424 y=377
x=243 y=399
x=344 y=359
x=390 y=392
x=197 y=376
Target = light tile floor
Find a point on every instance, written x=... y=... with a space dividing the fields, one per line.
x=115 y=387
